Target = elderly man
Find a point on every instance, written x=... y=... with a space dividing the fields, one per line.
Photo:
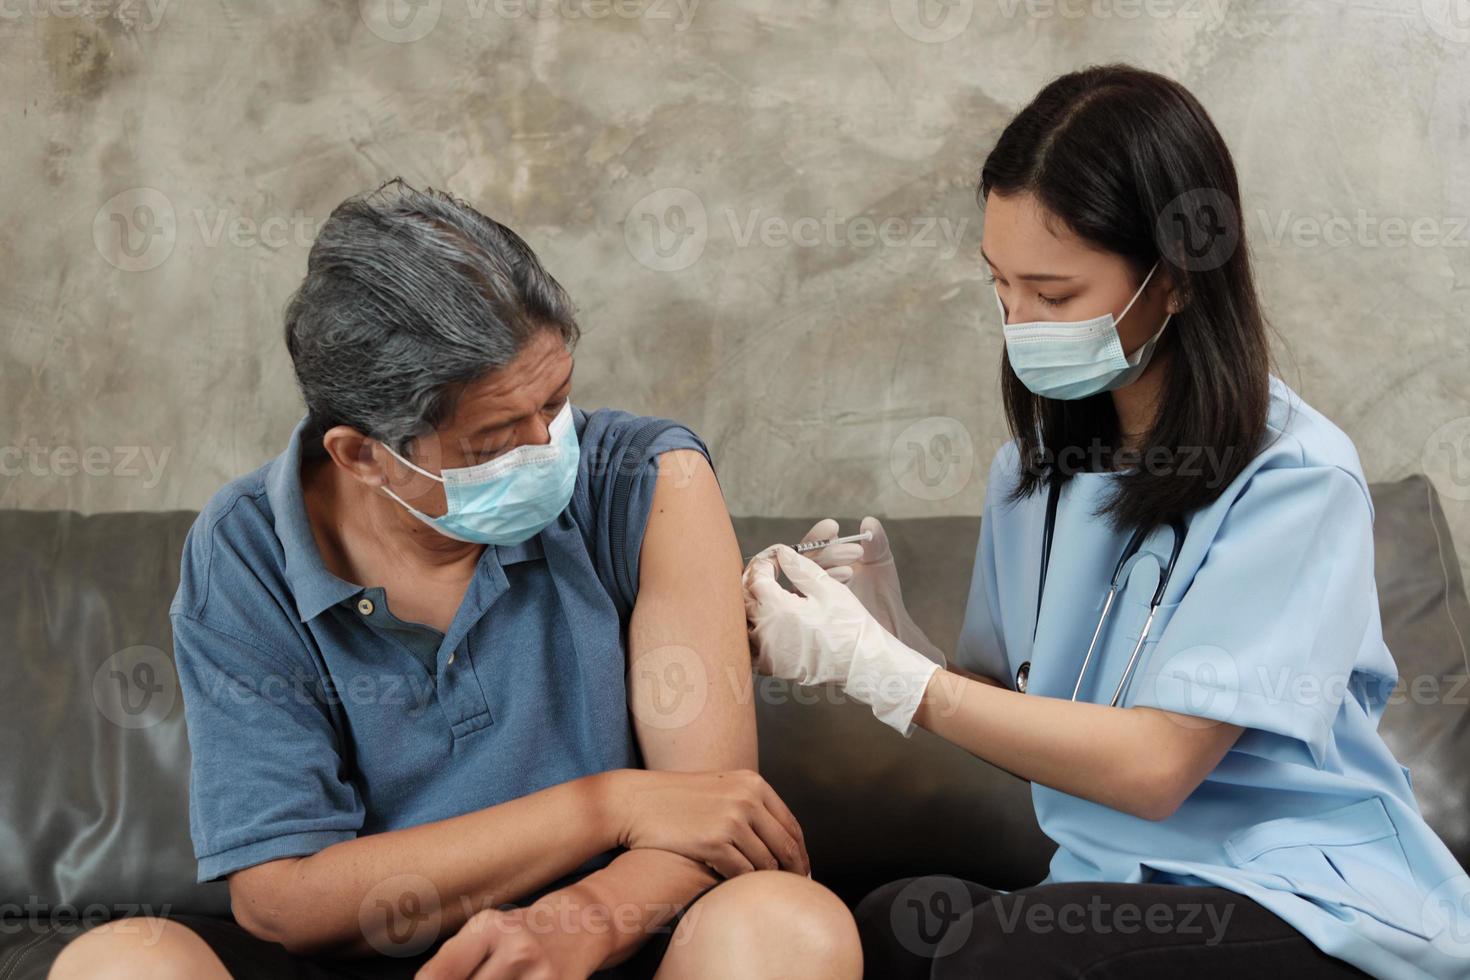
x=408 y=648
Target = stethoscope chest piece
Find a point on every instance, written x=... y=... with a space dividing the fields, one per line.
x=1022 y=676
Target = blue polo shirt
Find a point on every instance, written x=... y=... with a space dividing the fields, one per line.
x=316 y=716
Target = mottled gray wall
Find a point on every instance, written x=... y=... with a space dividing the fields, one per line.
x=812 y=303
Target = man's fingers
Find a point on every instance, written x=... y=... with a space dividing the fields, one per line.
x=787 y=819
x=513 y=961
x=783 y=847
x=755 y=850
x=728 y=862
x=464 y=952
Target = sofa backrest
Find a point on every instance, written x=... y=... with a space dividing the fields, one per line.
x=95 y=767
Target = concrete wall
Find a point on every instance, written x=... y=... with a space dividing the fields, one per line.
x=764 y=209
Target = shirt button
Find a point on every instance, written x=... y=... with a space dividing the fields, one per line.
x=365 y=606
x=450 y=660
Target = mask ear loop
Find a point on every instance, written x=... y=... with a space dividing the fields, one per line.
x=417 y=469
x=1141 y=287
x=1148 y=344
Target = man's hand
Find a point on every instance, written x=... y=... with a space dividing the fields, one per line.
x=516 y=944
x=732 y=821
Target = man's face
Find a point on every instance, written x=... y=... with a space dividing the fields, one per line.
x=510 y=407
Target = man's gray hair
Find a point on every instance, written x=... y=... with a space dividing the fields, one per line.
x=408 y=296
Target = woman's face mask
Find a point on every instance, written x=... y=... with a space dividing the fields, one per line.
x=1067 y=360
x=510 y=498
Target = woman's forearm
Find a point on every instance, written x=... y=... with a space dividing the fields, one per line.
x=449 y=868
x=1138 y=760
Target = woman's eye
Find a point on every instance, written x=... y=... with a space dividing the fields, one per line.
x=1049 y=301
x=990 y=279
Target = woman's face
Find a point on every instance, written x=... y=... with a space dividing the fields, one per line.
x=1042 y=271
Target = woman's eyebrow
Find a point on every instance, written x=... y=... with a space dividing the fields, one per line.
x=1033 y=276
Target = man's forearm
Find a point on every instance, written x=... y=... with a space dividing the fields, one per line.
x=451 y=867
x=607 y=915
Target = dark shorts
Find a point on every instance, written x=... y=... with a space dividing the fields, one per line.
x=248 y=958
x=941 y=928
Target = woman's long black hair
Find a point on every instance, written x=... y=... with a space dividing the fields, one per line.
x=1129 y=161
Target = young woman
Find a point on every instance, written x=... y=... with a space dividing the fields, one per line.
x=1201 y=739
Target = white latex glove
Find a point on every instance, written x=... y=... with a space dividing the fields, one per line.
x=825 y=635
x=868 y=569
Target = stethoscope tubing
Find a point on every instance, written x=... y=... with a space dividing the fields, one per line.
x=1120 y=577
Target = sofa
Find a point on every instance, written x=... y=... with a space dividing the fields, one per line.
x=94 y=784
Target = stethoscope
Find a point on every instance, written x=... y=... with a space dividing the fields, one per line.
x=1120 y=579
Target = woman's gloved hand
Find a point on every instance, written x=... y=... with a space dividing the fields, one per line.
x=868 y=569
x=825 y=635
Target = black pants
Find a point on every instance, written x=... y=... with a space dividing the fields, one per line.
x=941 y=927
x=247 y=958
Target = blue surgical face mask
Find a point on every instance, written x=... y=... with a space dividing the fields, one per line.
x=510 y=498
x=1073 y=360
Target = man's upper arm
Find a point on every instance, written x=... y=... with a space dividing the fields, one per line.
x=689 y=676
x=266 y=778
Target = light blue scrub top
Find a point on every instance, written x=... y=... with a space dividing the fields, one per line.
x=1270 y=622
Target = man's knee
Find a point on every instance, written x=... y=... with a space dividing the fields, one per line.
x=140 y=946
x=793 y=917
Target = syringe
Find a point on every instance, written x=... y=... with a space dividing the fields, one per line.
x=810 y=546
x=815 y=545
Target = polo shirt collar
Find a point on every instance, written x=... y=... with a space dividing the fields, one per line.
x=312 y=586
